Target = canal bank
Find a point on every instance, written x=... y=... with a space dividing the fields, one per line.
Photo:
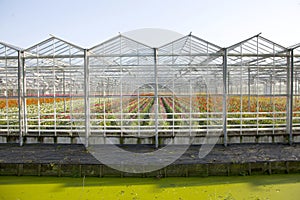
x=77 y=161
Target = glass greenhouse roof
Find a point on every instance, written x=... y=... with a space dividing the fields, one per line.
x=126 y=56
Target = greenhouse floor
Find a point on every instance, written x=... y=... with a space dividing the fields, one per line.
x=75 y=160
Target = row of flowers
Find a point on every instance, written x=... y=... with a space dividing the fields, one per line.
x=204 y=103
x=4 y=103
x=64 y=112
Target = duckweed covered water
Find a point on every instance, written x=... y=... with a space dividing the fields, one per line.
x=248 y=187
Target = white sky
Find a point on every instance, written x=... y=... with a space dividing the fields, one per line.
x=90 y=22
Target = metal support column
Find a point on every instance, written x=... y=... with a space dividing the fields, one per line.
x=24 y=105
x=191 y=108
x=249 y=89
x=225 y=97
x=86 y=98
x=20 y=98
x=229 y=90
x=156 y=97
x=290 y=96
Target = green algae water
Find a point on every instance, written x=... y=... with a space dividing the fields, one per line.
x=225 y=188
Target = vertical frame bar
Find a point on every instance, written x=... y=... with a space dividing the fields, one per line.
x=225 y=97
x=121 y=91
x=86 y=98
x=290 y=95
x=20 y=97
x=190 y=108
x=156 y=97
x=24 y=92
x=249 y=89
x=288 y=89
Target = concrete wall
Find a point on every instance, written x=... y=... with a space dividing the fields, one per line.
x=232 y=139
x=174 y=170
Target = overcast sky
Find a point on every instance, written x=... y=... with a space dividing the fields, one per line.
x=90 y=22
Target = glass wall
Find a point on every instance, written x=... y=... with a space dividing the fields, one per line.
x=121 y=87
x=9 y=90
x=257 y=75
x=296 y=91
x=54 y=88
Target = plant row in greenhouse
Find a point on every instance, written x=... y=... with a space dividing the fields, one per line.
x=30 y=101
x=65 y=112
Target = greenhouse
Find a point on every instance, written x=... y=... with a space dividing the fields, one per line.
x=123 y=88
